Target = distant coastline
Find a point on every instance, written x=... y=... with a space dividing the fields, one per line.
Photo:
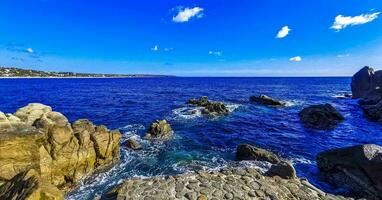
x=13 y=73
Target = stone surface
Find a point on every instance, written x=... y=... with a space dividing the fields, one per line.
x=283 y=170
x=29 y=185
x=323 y=116
x=160 y=129
x=35 y=137
x=230 y=186
x=265 y=100
x=131 y=143
x=209 y=107
x=367 y=83
x=357 y=167
x=372 y=109
x=249 y=152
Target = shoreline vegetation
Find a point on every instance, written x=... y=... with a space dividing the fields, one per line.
x=54 y=155
x=13 y=72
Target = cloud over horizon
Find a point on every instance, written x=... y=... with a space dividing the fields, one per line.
x=295 y=59
x=341 y=22
x=185 y=14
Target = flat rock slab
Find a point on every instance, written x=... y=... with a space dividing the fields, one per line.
x=225 y=184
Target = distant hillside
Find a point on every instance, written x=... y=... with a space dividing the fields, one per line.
x=17 y=72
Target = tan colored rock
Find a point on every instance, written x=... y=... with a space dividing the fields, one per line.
x=28 y=185
x=106 y=144
x=31 y=112
x=159 y=129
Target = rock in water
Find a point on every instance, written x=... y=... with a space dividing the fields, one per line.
x=132 y=144
x=372 y=110
x=248 y=152
x=320 y=117
x=160 y=129
x=367 y=84
x=357 y=167
x=29 y=185
x=35 y=137
x=283 y=170
x=210 y=108
x=265 y=100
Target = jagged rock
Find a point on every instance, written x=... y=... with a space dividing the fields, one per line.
x=283 y=170
x=265 y=100
x=160 y=129
x=132 y=144
x=322 y=117
x=357 y=167
x=248 y=152
x=61 y=153
x=209 y=107
x=372 y=110
x=29 y=185
x=367 y=84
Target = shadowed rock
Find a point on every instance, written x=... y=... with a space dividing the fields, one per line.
x=367 y=84
x=283 y=170
x=322 y=117
x=131 y=143
x=248 y=152
x=265 y=100
x=357 y=167
x=160 y=129
x=209 y=107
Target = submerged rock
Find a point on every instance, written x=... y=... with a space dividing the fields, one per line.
x=228 y=183
x=44 y=140
x=357 y=167
x=209 y=107
x=265 y=100
x=322 y=117
x=160 y=129
x=131 y=143
x=249 y=152
x=29 y=185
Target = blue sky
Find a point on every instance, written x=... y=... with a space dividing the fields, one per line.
x=193 y=38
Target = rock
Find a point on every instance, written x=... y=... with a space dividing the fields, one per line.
x=265 y=100
x=160 y=129
x=367 y=83
x=283 y=170
x=209 y=107
x=132 y=144
x=29 y=185
x=248 y=152
x=372 y=110
x=322 y=117
x=357 y=167
x=35 y=137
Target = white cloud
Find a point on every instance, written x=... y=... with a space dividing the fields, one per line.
x=29 y=50
x=343 y=55
x=341 y=21
x=184 y=15
x=284 y=31
x=215 y=53
x=155 y=48
x=295 y=59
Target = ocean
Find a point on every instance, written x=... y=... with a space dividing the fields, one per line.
x=200 y=143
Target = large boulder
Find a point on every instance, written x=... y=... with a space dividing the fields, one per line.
x=265 y=100
x=357 y=167
x=35 y=137
x=372 y=109
x=159 y=129
x=29 y=185
x=283 y=170
x=322 y=117
x=249 y=152
x=209 y=107
x=367 y=83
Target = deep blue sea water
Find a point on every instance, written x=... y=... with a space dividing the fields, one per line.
x=199 y=143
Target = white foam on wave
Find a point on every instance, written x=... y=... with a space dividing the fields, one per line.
x=301 y=160
x=192 y=112
x=291 y=103
x=232 y=107
x=261 y=166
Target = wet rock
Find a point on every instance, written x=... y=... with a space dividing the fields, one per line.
x=283 y=170
x=35 y=137
x=265 y=100
x=357 y=167
x=209 y=107
x=322 y=117
x=160 y=129
x=367 y=84
x=131 y=143
x=372 y=109
x=29 y=185
x=248 y=152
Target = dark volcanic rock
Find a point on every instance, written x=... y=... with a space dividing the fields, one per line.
x=320 y=116
x=264 y=99
x=282 y=169
x=132 y=144
x=160 y=129
x=210 y=108
x=372 y=110
x=248 y=152
x=367 y=83
x=357 y=167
